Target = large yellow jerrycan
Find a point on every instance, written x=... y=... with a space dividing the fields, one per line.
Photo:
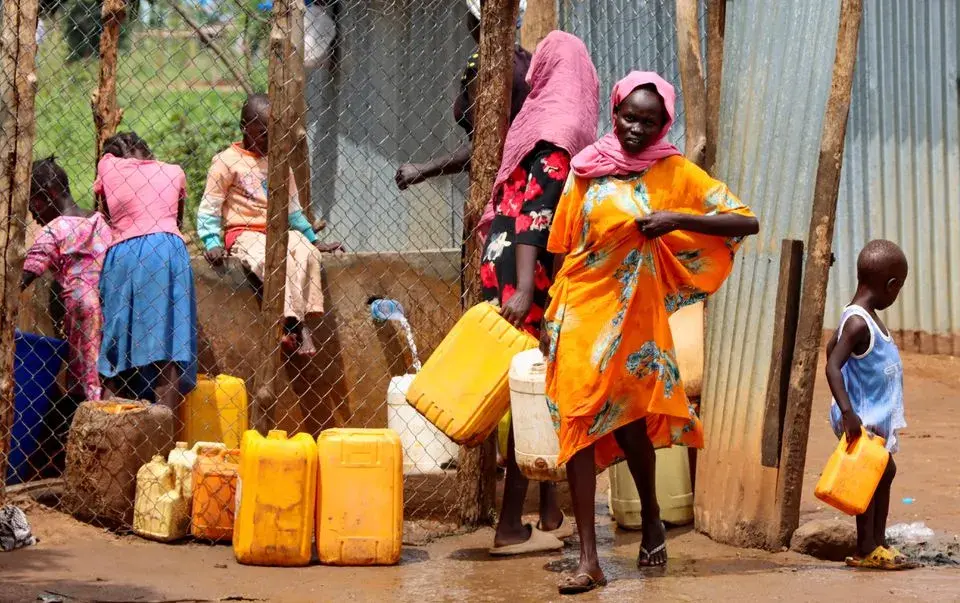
x=853 y=473
x=215 y=411
x=276 y=499
x=160 y=511
x=360 y=502
x=463 y=387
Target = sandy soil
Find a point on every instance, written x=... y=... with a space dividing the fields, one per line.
x=83 y=563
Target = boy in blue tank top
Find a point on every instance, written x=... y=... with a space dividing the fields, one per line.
x=866 y=378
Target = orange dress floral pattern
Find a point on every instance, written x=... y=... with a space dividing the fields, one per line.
x=611 y=356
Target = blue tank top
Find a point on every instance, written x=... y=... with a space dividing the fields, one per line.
x=874 y=383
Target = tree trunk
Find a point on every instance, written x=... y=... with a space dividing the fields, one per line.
x=18 y=48
x=691 y=81
x=540 y=19
x=270 y=379
x=106 y=114
x=817 y=270
x=477 y=473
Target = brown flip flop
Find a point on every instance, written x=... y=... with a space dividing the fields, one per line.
x=577 y=584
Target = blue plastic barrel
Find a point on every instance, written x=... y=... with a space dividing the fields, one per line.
x=36 y=363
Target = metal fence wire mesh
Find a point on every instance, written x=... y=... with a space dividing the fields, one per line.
x=380 y=81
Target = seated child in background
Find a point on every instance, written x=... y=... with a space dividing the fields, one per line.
x=149 y=348
x=72 y=245
x=866 y=378
x=232 y=218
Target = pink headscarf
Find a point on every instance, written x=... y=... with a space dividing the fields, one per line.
x=562 y=108
x=606 y=157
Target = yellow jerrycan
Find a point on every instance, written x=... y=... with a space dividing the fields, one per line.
x=160 y=511
x=215 y=411
x=360 y=502
x=674 y=490
x=853 y=473
x=463 y=387
x=276 y=499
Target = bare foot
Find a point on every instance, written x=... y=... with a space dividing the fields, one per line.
x=307 y=347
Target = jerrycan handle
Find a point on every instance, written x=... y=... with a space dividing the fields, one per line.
x=231 y=455
x=849 y=446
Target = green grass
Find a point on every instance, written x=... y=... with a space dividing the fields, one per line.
x=171 y=91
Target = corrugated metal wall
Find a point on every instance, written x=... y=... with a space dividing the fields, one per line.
x=624 y=35
x=778 y=58
x=901 y=171
x=390 y=101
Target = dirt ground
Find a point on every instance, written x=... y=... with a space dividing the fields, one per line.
x=82 y=563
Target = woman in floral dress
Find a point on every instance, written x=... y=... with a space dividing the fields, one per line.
x=558 y=119
x=643 y=232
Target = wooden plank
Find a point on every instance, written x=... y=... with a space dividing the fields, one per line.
x=716 y=26
x=477 y=469
x=781 y=355
x=539 y=20
x=103 y=101
x=18 y=85
x=816 y=272
x=270 y=379
x=692 y=81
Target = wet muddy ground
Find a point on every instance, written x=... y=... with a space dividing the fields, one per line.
x=82 y=563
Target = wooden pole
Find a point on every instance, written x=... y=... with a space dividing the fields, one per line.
x=282 y=89
x=540 y=19
x=106 y=114
x=18 y=84
x=691 y=81
x=816 y=272
x=300 y=160
x=477 y=471
x=716 y=28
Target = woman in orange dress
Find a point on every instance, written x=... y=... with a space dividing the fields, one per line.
x=642 y=232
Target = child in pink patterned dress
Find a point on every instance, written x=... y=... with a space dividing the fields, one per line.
x=72 y=245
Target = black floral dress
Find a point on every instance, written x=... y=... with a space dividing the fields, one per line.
x=524 y=212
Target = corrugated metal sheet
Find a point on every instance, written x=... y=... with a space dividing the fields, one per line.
x=390 y=101
x=777 y=65
x=901 y=172
x=624 y=35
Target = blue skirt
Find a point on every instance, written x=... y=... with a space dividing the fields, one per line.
x=149 y=311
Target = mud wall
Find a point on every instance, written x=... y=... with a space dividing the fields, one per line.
x=346 y=383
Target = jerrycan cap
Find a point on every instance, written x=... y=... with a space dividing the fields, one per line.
x=181 y=446
x=157 y=459
x=277 y=434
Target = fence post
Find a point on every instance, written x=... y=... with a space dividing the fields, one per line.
x=716 y=25
x=106 y=114
x=691 y=81
x=300 y=159
x=282 y=119
x=816 y=271
x=18 y=48
x=477 y=470
x=540 y=20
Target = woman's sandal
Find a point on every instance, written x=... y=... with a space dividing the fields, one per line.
x=577 y=584
x=652 y=558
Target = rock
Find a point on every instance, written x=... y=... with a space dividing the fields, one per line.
x=830 y=539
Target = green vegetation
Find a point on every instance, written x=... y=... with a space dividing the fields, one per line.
x=173 y=92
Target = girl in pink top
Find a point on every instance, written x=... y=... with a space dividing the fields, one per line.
x=149 y=348
x=72 y=246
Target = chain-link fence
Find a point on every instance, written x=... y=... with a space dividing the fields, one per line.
x=179 y=317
